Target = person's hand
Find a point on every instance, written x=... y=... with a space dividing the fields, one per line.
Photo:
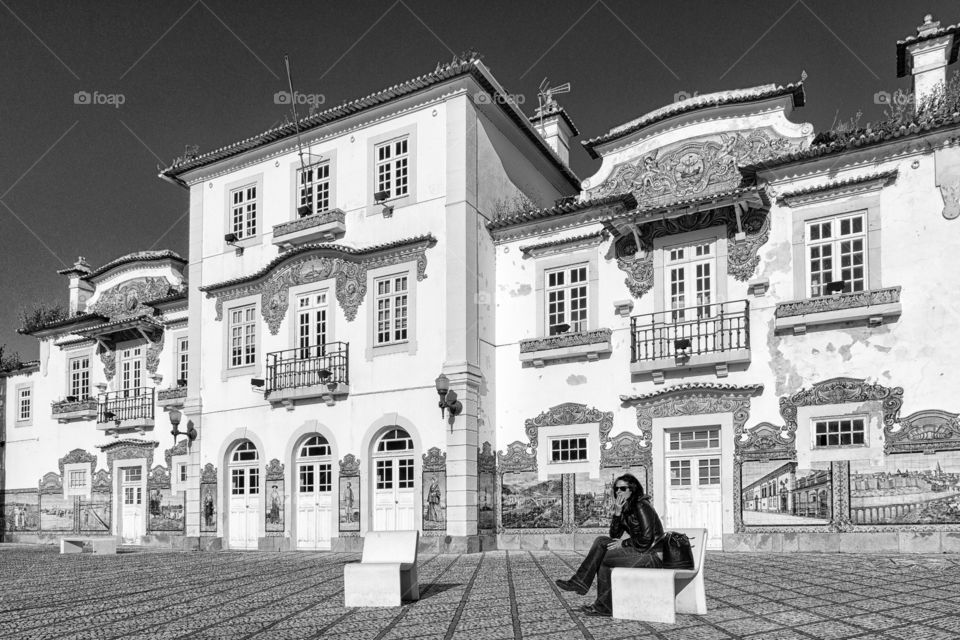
x=616 y=544
x=621 y=500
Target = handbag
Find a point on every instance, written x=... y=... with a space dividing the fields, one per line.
x=677 y=552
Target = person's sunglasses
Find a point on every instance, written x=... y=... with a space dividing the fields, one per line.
x=622 y=488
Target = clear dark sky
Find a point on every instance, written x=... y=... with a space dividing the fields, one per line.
x=80 y=179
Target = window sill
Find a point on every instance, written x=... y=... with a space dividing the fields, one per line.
x=408 y=346
x=876 y=307
x=376 y=208
x=584 y=344
x=236 y=372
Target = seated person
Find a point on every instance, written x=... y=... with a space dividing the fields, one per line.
x=633 y=513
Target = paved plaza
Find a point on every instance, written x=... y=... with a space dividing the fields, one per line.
x=499 y=594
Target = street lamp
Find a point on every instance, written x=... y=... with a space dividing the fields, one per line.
x=448 y=397
x=191 y=432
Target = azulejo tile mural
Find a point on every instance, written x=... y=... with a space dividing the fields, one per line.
x=912 y=488
x=780 y=493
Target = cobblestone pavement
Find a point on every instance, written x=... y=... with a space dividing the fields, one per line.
x=499 y=594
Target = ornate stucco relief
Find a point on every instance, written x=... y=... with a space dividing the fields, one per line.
x=434 y=460
x=841 y=390
x=486 y=460
x=350 y=465
x=838 y=301
x=563 y=340
x=626 y=450
x=924 y=432
x=79 y=456
x=516 y=459
x=568 y=413
x=126 y=300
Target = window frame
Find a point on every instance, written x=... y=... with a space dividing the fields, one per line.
x=410 y=133
x=835 y=243
x=586 y=257
x=181 y=359
x=716 y=236
x=567 y=288
x=392 y=308
x=573 y=443
x=83 y=490
x=409 y=345
x=256 y=181
x=19 y=389
x=89 y=369
x=864 y=419
x=253 y=369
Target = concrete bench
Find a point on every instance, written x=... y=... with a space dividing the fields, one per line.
x=657 y=595
x=386 y=573
x=97 y=545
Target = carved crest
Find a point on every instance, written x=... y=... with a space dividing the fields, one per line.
x=924 y=432
x=639 y=272
x=129 y=450
x=569 y=413
x=51 y=483
x=159 y=478
x=839 y=391
x=435 y=460
x=209 y=474
x=109 y=359
x=626 y=450
x=126 y=300
x=274 y=470
x=102 y=481
x=179 y=450
x=153 y=353
x=79 y=456
x=350 y=465
x=766 y=441
x=516 y=459
x=486 y=460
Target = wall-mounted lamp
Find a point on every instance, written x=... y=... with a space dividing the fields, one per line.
x=380 y=197
x=231 y=239
x=448 y=397
x=191 y=432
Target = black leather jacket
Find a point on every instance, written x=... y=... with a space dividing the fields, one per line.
x=642 y=523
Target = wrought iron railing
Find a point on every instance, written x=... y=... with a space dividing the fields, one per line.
x=324 y=364
x=128 y=404
x=681 y=333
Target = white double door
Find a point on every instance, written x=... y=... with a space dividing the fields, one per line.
x=394 y=495
x=132 y=519
x=314 y=505
x=693 y=470
x=245 y=510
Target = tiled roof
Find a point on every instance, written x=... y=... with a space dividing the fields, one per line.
x=650 y=211
x=66 y=322
x=137 y=256
x=444 y=72
x=176 y=296
x=625 y=199
x=554 y=108
x=427 y=239
x=855 y=141
x=114 y=324
x=930 y=35
x=705 y=101
x=839 y=184
x=750 y=389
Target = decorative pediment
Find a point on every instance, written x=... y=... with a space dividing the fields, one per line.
x=350 y=465
x=516 y=459
x=159 y=478
x=316 y=262
x=51 y=483
x=126 y=300
x=569 y=413
x=765 y=441
x=694 y=167
x=274 y=470
x=102 y=481
x=129 y=450
x=626 y=450
x=179 y=450
x=79 y=456
x=209 y=474
x=924 y=432
x=842 y=390
x=434 y=460
x=486 y=460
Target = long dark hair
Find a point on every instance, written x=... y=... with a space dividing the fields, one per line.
x=636 y=489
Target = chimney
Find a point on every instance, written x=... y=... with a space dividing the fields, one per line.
x=925 y=56
x=556 y=128
x=80 y=290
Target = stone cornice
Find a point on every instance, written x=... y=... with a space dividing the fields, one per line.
x=564 y=245
x=840 y=189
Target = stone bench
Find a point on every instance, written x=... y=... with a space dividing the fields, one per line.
x=386 y=573
x=97 y=545
x=657 y=595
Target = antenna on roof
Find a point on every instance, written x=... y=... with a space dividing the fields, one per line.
x=545 y=95
x=293 y=106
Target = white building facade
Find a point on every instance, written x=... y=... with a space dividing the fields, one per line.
x=731 y=308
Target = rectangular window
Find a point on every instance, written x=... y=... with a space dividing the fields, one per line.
x=182 y=469
x=78 y=479
x=837 y=255
x=838 y=432
x=243 y=336
x=307 y=479
x=697 y=439
x=392 y=312
x=314 y=184
x=392 y=168
x=132 y=474
x=254 y=481
x=237 y=478
x=384 y=474
x=679 y=473
x=243 y=211
x=24 y=404
x=325 y=482
x=405 y=468
x=80 y=377
x=690 y=286
x=312 y=324
x=567 y=449
x=709 y=470
x=566 y=298
x=183 y=355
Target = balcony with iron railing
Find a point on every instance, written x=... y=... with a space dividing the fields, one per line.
x=126 y=409
x=320 y=371
x=710 y=335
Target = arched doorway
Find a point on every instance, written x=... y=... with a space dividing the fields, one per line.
x=394 y=493
x=244 y=499
x=314 y=493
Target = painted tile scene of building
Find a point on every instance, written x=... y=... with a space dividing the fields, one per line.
x=751 y=316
